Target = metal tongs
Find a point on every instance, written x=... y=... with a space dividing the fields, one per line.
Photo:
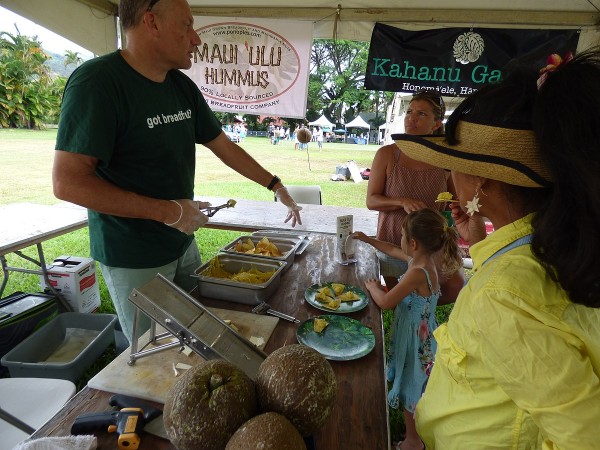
x=211 y=210
x=265 y=308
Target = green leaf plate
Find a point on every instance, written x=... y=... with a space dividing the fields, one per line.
x=345 y=307
x=342 y=340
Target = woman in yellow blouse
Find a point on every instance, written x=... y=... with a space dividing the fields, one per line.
x=518 y=363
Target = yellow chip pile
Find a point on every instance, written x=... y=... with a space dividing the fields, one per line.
x=253 y=275
x=331 y=297
x=263 y=247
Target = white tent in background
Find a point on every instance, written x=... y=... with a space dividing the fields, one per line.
x=322 y=122
x=359 y=122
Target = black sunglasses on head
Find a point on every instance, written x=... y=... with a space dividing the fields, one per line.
x=432 y=95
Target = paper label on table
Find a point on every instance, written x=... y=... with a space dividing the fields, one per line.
x=344 y=250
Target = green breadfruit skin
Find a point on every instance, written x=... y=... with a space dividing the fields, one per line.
x=207 y=405
x=298 y=383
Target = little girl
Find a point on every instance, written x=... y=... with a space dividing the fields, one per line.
x=426 y=239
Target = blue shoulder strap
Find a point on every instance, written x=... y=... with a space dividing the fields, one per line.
x=428 y=280
x=521 y=241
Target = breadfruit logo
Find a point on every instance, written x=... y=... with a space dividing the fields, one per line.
x=468 y=47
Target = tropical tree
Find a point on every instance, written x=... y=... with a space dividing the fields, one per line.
x=72 y=57
x=24 y=79
x=336 y=83
x=55 y=90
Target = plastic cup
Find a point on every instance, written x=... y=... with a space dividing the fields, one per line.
x=449 y=219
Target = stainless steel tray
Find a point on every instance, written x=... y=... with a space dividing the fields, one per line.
x=304 y=239
x=235 y=291
x=286 y=245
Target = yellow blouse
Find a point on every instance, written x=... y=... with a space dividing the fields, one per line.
x=517 y=364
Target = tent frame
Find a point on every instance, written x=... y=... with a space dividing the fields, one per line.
x=92 y=24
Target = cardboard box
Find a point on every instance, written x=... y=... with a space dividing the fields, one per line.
x=75 y=279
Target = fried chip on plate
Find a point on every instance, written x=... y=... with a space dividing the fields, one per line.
x=319 y=324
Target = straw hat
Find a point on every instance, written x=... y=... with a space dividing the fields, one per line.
x=510 y=155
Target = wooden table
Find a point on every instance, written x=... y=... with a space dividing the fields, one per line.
x=360 y=418
x=25 y=224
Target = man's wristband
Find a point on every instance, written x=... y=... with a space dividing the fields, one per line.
x=273 y=182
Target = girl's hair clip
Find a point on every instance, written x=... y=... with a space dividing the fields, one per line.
x=553 y=62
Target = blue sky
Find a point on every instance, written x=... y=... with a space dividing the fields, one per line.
x=50 y=41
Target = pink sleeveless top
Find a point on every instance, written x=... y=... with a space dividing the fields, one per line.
x=423 y=185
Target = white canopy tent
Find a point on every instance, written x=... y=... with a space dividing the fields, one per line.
x=92 y=23
x=322 y=122
x=358 y=122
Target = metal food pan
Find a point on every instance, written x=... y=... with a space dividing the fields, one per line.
x=287 y=246
x=303 y=239
x=235 y=291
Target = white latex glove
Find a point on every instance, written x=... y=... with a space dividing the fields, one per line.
x=284 y=197
x=190 y=216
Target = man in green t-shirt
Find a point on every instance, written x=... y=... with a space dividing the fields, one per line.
x=126 y=151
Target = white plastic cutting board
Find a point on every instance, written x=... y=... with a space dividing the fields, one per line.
x=151 y=377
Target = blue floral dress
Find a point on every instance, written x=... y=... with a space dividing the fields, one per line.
x=412 y=348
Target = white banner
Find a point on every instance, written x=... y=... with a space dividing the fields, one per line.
x=256 y=68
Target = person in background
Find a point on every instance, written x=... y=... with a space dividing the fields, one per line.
x=399 y=185
x=319 y=138
x=296 y=141
x=271 y=132
x=282 y=134
x=126 y=151
x=518 y=363
x=425 y=234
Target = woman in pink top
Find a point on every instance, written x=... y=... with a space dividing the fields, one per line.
x=399 y=185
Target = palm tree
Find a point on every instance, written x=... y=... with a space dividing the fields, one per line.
x=72 y=57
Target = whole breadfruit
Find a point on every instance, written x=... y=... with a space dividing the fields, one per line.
x=268 y=431
x=299 y=383
x=205 y=407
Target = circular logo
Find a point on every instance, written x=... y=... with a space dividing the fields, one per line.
x=468 y=47
x=244 y=63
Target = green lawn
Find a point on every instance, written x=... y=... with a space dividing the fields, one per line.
x=26 y=165
x=25 y=174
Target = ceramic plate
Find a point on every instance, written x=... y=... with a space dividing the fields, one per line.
x=342 y=340
x=345 y=307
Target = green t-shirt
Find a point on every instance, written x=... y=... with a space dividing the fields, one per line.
x=144 y=135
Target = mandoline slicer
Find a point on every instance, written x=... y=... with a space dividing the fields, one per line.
x=192 y=324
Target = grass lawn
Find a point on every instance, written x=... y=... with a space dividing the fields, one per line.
x=25 y=171
x=26 y=164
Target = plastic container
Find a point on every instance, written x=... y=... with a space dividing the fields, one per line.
x=80 y=338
